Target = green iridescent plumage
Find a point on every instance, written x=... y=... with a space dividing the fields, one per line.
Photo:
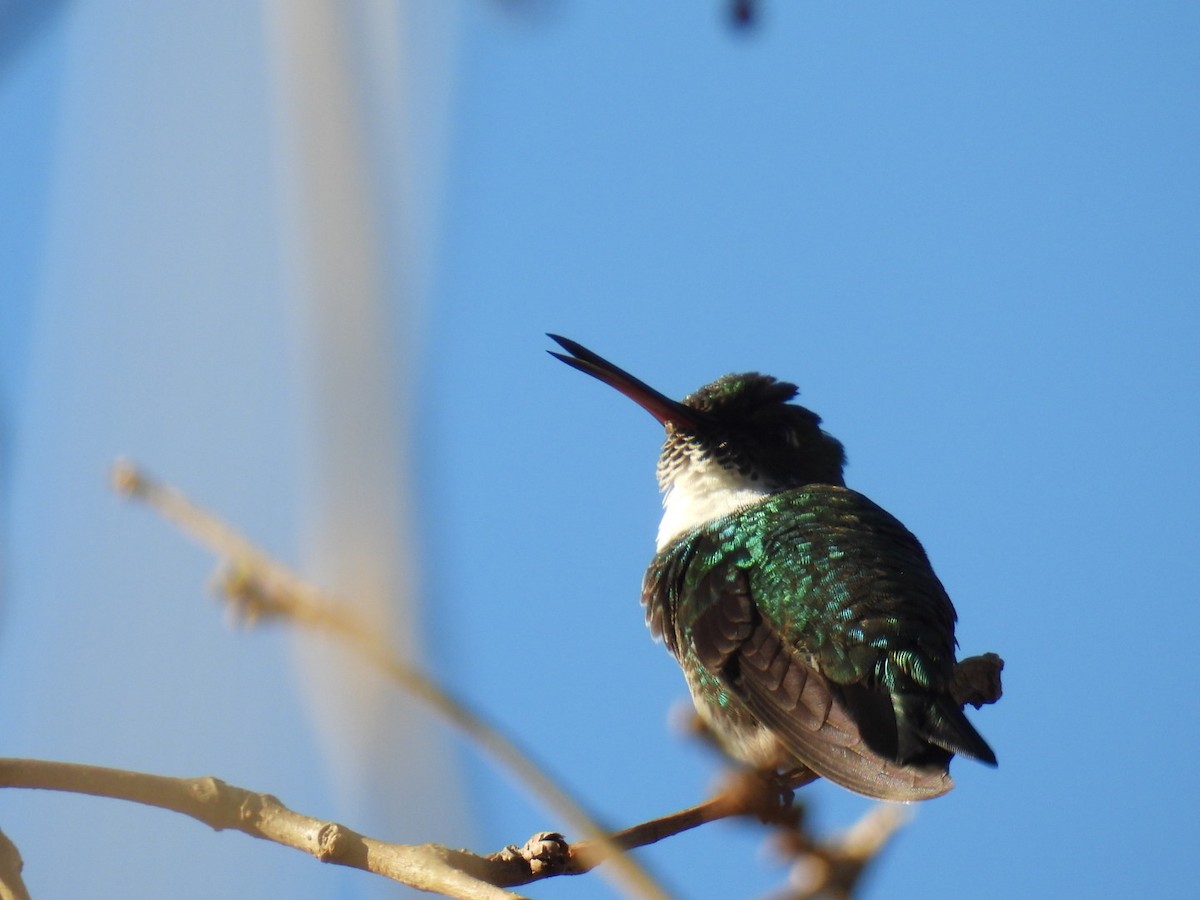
x=849 y=593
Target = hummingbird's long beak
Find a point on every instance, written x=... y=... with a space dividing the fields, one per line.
x=662 y=407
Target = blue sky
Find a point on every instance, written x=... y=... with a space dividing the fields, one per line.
x=968 y=231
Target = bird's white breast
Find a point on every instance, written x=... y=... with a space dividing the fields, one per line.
x=700 y=493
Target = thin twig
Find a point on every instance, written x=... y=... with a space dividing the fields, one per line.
x=833 y=868
x=263 y=587
x=769 y=798
x=587 y=854
x=223 y=806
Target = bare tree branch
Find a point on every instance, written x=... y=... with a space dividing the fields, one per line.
x=823 y=869
x=12 y=886
x=977 y=680
x=261 y=587
x=222 y=806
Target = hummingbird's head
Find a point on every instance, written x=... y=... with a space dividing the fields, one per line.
x=731 y=442
x=747 y=424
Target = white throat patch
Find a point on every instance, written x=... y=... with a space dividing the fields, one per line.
x=700 y=493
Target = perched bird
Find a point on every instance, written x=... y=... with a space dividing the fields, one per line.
x=808 y=622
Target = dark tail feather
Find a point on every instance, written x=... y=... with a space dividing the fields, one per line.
x=945 y=726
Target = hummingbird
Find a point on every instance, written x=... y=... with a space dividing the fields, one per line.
x=814 y=636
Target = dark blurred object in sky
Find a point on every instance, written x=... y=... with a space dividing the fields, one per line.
x=743 y=13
